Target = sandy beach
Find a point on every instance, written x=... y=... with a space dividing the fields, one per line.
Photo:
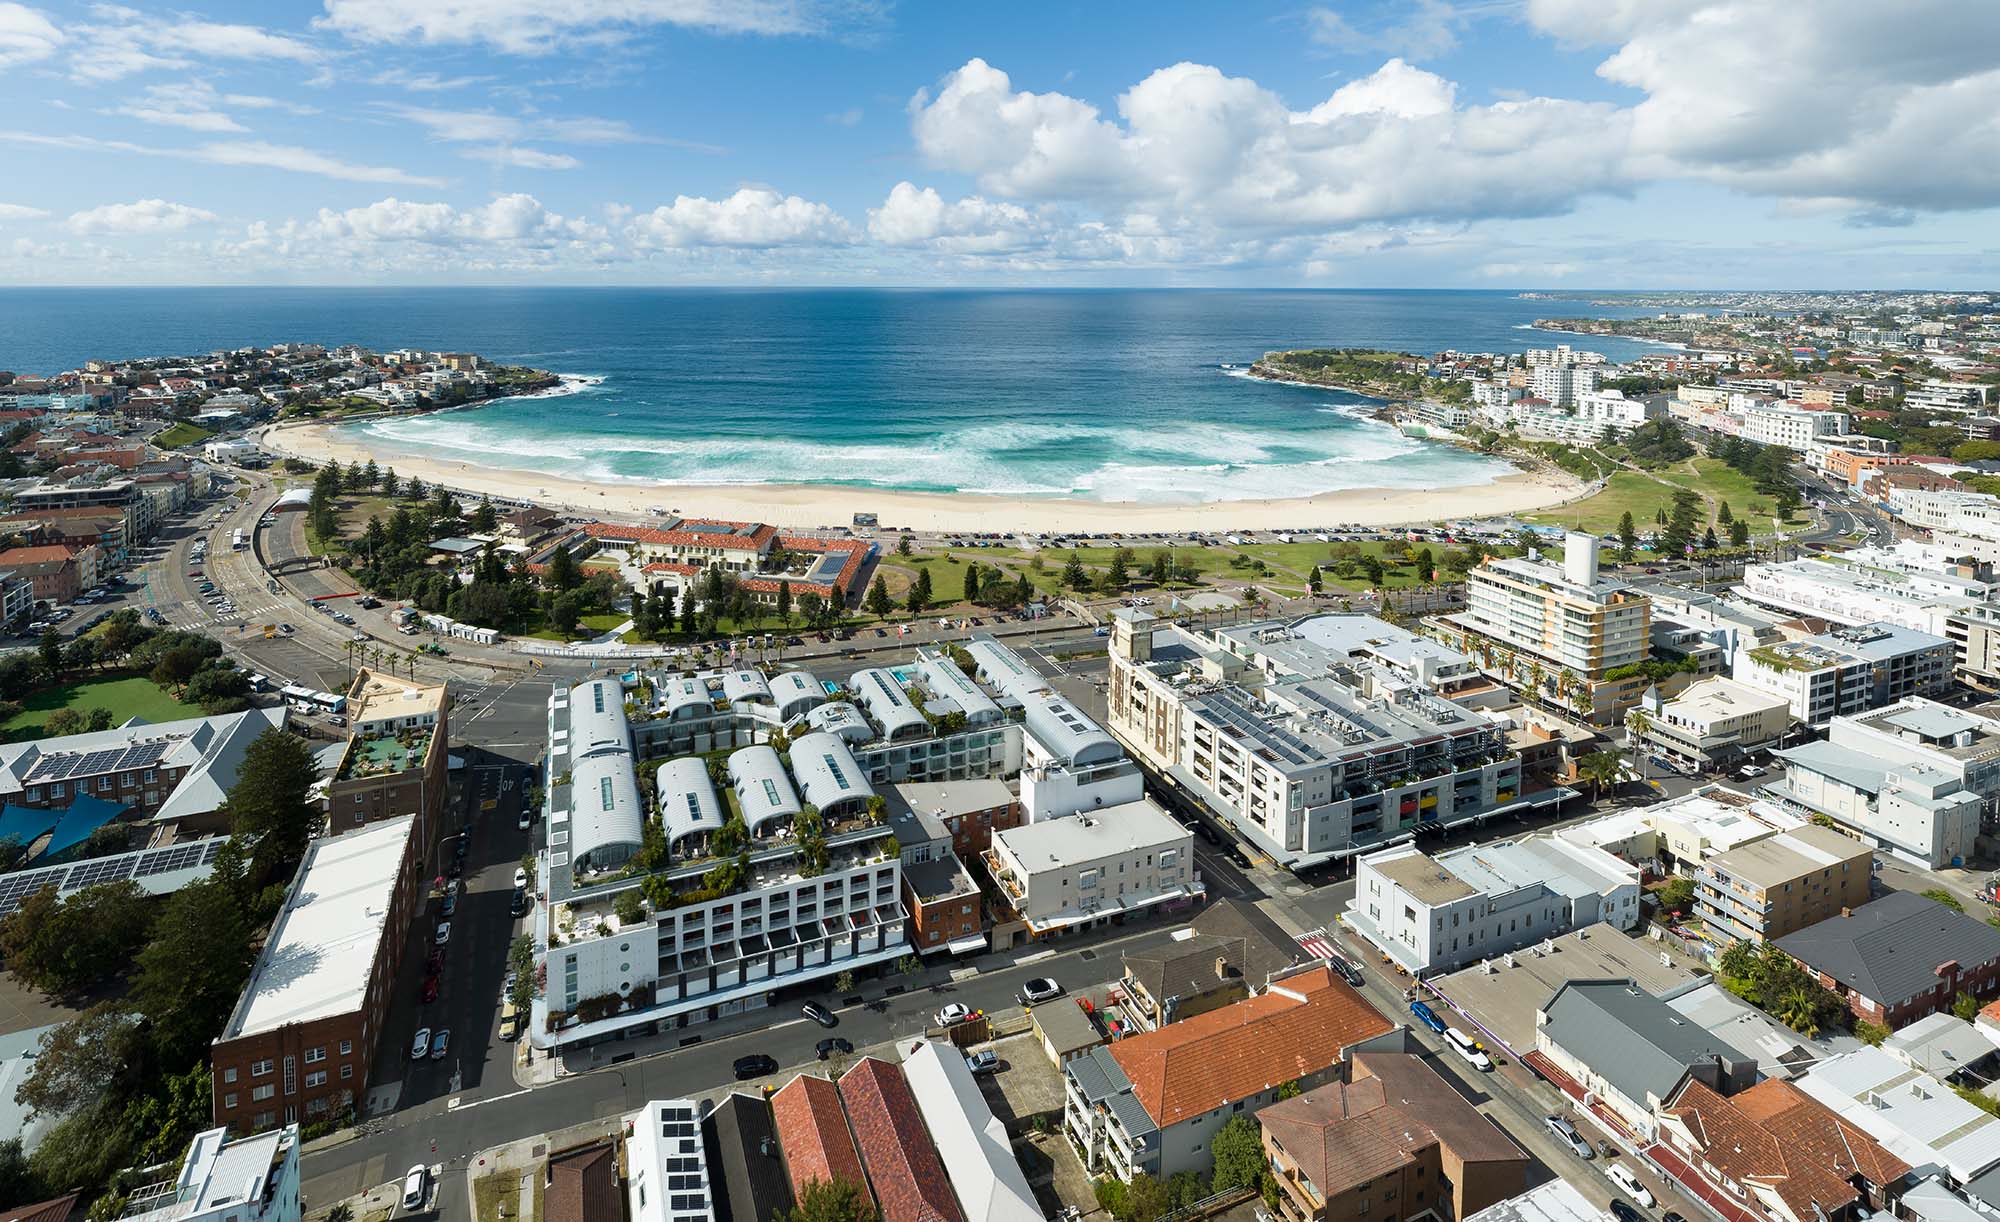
x=802 y=506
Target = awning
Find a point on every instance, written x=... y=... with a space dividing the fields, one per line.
x=967 y=945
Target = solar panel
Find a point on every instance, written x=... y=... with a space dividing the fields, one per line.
x=75 y=876
x=143 y=755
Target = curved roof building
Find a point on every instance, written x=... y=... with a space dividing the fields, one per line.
x=597 y=719
x=684 y=696
x=1067 y=734
x=1005 y=669
x=763 y=792
x=688 y=805
x=796 y=692
x=745 y=685
x=606 y=821
x=829 y=775
x=877 y=691
x=948 y=682
x=842 y=718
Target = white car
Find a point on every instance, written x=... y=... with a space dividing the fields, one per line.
x=951 y=1015
x=415 y=1186
x=443 y=932
x=420 y=1044
x=1462 y=1044
x=1622 y=1176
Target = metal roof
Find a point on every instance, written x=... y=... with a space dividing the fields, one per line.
x=1068 y=735
x=794 y=687
x=841 y=718
x=1637 y=1043
x=688 y=804
x=827 y=771
x=597 y=719
x=745 y=685
x=763 y=792
x=945 y=679
x=680 y=692
x=1005 y=669
x=877 y=691
x=605 y=821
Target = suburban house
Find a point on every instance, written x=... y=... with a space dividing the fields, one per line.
x=1777 y=1148
x=1899 y=958
x=1234 y=949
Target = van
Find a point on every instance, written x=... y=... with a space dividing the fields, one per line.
x=1462 y=1044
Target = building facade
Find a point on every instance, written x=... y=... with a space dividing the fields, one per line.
x=1848 y=670
x=1782 y=883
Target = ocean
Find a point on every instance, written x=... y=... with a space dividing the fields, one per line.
x=1108 y=395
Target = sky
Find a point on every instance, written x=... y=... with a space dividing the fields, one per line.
x=1500 y=144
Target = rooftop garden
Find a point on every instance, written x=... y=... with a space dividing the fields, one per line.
x=1770 y=657
x=382 y=755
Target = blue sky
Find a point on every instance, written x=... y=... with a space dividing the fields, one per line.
x=1446 y=143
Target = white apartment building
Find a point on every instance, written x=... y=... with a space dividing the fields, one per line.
x=1908 y=585
x=1913 y=779
x=1563 y=385
x=1494 y=395
x=1944 y=397
x=1847 y=671
x=1611 y=409
x=251 y=1179
x=1319 y=738
x=1561 y=354
x=1077 y=872
x=667 y=1173
x=1974 y=515
x=1754 y=418
x=1567 y=615
x=1437 y=914
x=1713 y=724
x=1068 y=763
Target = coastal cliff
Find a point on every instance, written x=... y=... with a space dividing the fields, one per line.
x=1398 y=377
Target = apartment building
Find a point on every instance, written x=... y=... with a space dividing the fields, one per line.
x=1563 y=384
x=1711 y=725
x=250 y=1179
x=1913 y=779
x=1611 y=409
x=1769 y=422
x=1317 y=738
x=1768 y=888
x=1974 y=515
x=1848 y=670
x=1437 y=914
x=1151 y=1103
x=1083 y=871
x=1395 y=1141
x=1899 y=958
x=396 y=756
x=1910 y=585
x=302 y=1038
x=1564 y=617
x=1975 y=637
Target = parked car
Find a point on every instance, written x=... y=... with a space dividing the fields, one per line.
x=510 y=1022
x=520 y=878
x=819 y=1014
x=951 y=1015
x=416 y=1186
x=1465 y=1047
x=756 y=1065
x=439 y=1042
x=1563 y=1131
x=1621 y=1212
x=519 y=907
x=420 y=1044
x=827 y=1047
x=984 y=1061
x=430 y=989
x=1427 y=1016
x=1621 y=1175
x=450 y=906
x=1038 y=990
x=443 y=934
x=1346 y=970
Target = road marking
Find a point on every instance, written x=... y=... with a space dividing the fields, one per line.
x=1317 y=944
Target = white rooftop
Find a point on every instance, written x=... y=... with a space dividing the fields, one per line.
x=321 y=951
x=970 y=1140
x=1552 y=1201
x=1109 y=831
x=1916 y=1117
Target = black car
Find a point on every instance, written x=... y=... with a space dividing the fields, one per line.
x=828 y=1047
x=1348 y=972
x=1671 y=1216
x=819 y=1014
x=1625 y=1213
x=1207 y=833
x=1241 y=858
x=756 y=1065
x=520 y=904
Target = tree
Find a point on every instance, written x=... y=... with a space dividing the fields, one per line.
x=1313 y=580
x=1600 y=768
x=100 y=1051
x=879 y=602
x=562 y=572
x=268 y=803
x=1739 y=533
x=919 y=596
x=19 y=1184
x=785 y=601
x=1871 y=1034
x=1708 y=540
x=903 y=547
x=1239 y=1155
x=1161 y=570
x=51 y=648
x=1120 y=570
x=192 y=968
x=1073 y=575
x=835 y=1200
x=1723 y=514
x=391 y=482
x=844 y=983
x=177 y=665
x=1677 y=895
x=972 y=582
x=70 y=944
x=63 y=722
x=485 y=519
x=170 y=1116
x=629 y=908
x=1739 y=962
x=1965 y=1006
x=1938 y=895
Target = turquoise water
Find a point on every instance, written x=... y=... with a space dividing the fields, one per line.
x=1112 y=395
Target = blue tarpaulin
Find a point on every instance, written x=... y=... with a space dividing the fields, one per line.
x=84 y=816
x=25 y=824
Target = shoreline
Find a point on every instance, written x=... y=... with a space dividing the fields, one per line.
x=834 y=505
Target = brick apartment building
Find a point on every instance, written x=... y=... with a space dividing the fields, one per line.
x=300 y=1044
x=58 y=572
x=396 y=758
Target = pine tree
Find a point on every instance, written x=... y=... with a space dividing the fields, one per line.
x=1739 y=533
x=1120 y=571
x=1162 y=569
x=879 y=602
x=785 y=601
x=1313 y=580
x=1723 y=516
x=972 y=582
x=1073 y=575
x=1628 y=538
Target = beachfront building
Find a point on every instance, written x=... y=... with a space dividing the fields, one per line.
x=1437 y=914
x=1711 y=725
x=1912 y=585
x=758 y=558
x=1913 y=779
x=1562 y=632
x=1847 y=670
x=1318 y=738
x=1771 y=422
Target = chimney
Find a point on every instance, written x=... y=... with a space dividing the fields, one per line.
x=1846 y=911
x=1580 y=558
x=1222 y=967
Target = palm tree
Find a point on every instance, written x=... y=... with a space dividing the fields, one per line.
x=1798 y=1009
x=1568 y=683
x=1535 y=678
x=1636 y=725
x=1600 y=768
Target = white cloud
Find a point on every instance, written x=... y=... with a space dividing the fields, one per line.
x=522 y=158
x=495 y=130
x=194 y=105
x=1424 y=29
x=304 y=161
x=914 y=217
x=20 y=212
x=754 y=217
x=140 y=216
x=26 y=36
x=507 y=219
x=424 y=82
x=121 y=42
x=535 y=27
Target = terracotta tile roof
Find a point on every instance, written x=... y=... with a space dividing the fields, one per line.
x=756 y=537
x=1204 y=1062
x=1345 y=1134
x=48 y=553
x=903 y=1168
x=42 y=1211
x=812 y=1132
x=1776 y=1135
x=582 y=1185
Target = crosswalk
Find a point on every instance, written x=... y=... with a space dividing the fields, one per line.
x=1318 y=944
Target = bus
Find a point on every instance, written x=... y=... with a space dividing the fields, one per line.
x=236 y=540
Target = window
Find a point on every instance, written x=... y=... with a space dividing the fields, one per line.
x=229 y=1101
x=316 y=1078
x=346 y=1047
x=259 y=1068
x=229 y=1075
x=315 y=1055
x=260 y=1093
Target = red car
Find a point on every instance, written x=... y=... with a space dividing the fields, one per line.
x=430 y=990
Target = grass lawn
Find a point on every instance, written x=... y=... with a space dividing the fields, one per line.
x=131 y=696
x=1625 y=492
x=181 y=434
x=603 y=623
x=497 y=1197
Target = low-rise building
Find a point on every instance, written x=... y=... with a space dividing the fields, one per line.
x=1435 y=914
x=1913 y=778
x=1394 y=1141
x=747 y=1168
x=250 y=1179
x=1151 y=1103
x=1848 y=670
x=1681 y=834
x=666 y=1161
x=1910 y=585
x=1782 y=883
x=1899 y=958
x=1079 y=871
x=971 y=1142
x=396 y=755
x=1230 y=950
x=1790 y=1156
x=813 y=1134
x=580 y=1184
x=1913 y=1115
x=1712 y=725
x=57 y=572
x=1632 y=1050
x=903 y=1166
x=302 y=1039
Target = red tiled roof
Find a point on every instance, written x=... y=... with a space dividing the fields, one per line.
x=47 y=553
x=909 y=1181
x=812 y=1132
x=760 y=534
x=1777 y=1136
x=1212 y=1059
x=42 y=1211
